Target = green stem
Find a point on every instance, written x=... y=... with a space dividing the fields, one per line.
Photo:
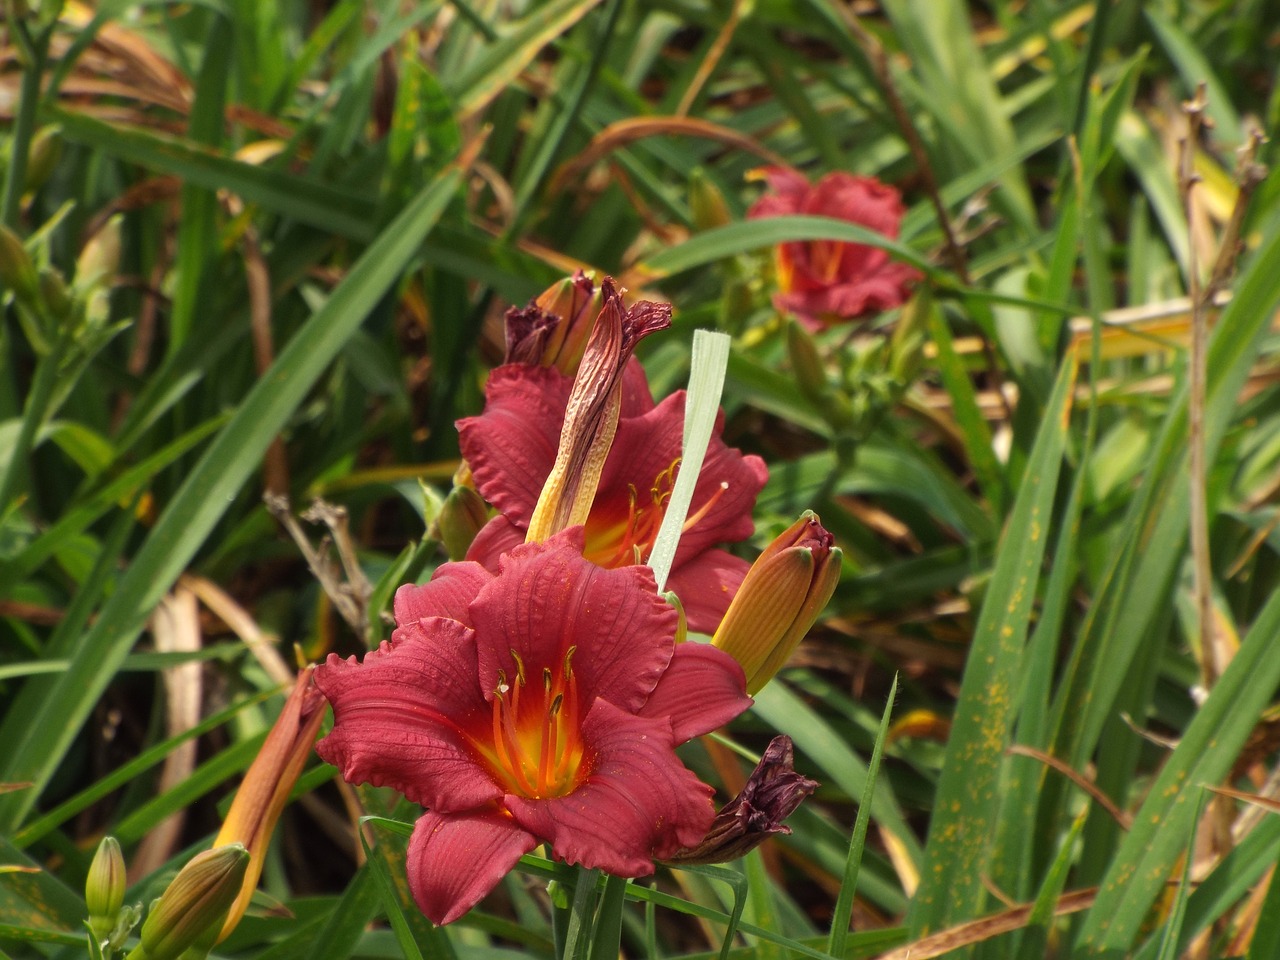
x=577 y=935
x=42 y=388
x=24 y=123
x=608 y=929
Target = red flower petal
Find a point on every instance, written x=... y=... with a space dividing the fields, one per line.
x=456 y=859
x=702 y=689
x=645 y=446
x=399 y=717
x=512 y=445
x=495 y=538
x=638 y=803
x=548 y=599
x=449 y=593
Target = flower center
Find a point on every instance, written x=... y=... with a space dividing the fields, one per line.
x=537 y=749
x=613 y=542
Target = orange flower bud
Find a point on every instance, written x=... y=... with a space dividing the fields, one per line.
x=781 y=597
x=265 y=790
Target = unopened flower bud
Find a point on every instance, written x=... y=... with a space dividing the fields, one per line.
x=196 y=901
x=806 y=365
x=706 y=202
x=42 y=159
x=104 y=888
x=780 y=598
x=553 y=329
x=265 y=791
x=17 y=272
x=771 y=794
x=100 y=258
x=53 y=290
x=463 y=514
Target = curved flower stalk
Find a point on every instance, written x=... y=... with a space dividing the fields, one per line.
x=515 y=446
x=825 y=281
x=540 y=704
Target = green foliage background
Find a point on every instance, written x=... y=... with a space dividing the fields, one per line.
x=284 y=234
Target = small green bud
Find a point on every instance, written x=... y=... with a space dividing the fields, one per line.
x=42 y=159
x=197 y=899
x=53 y=290
x=17 y=272
x=104 y=888
x=100 y=258
x=463 y=514
x=707 y=203
x=910 y=333
x=806 y=365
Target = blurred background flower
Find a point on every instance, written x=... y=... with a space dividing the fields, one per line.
x=825 y=281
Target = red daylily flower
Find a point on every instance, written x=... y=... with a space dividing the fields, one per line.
x=512 y=446
x=540 y=704
x=826 y=280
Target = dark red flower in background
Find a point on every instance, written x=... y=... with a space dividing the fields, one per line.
x=540 y=704
x=822 y=281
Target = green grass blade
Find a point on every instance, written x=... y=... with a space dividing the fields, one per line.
x=838 y=942
x=783 y=710
x=391 y=904
x=1266 y=935
x=973 y=427
x=46 y=716
x=1149 y=852
x=711 y=246
x=282 y=192
x=500 y=64
x=967 y=805
x=1136 y=585
x=197 y=227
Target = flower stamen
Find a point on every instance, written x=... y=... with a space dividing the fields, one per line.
x=536 y=750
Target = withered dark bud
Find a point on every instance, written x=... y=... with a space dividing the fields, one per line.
x=552 y=330
x=772 y=793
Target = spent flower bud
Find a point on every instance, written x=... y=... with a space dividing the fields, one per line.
x=771 y=794
x=553 y=329
x=196 y=901
x=104 y=888
x=591 y=415
x=780 y=598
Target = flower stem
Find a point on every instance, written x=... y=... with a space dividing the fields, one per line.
x=579 y=922
x=608 y=928
x=24 y=123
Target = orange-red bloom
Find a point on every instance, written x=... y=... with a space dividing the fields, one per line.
x=541 y=704
x=822 y=281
